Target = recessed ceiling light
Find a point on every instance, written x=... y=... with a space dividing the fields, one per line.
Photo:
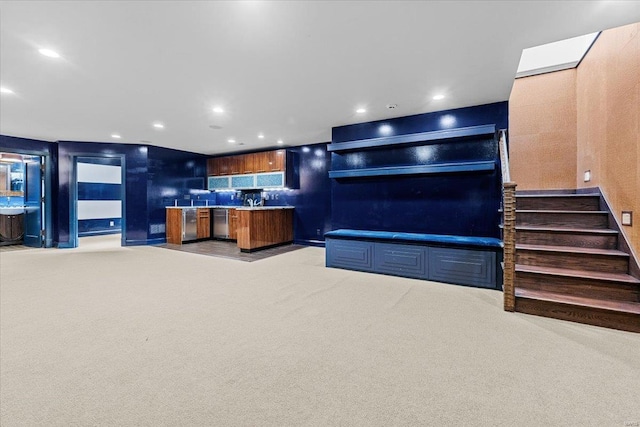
x=280 y=141
x=215 y=127
x=392 y=106
x=261 y=135
x=361 y=110
x=5 y=90
x=231 y=141
x=438 y=97
x=50 y=53
x=218 y=110
x=158 y=125
x=115 y=136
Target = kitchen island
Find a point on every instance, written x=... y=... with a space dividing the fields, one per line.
x=264 y=227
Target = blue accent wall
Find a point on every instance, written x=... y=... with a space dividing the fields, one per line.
x=464 y=204
x=173 y=175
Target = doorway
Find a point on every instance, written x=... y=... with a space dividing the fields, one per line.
x=98 y=199
x=22 y=201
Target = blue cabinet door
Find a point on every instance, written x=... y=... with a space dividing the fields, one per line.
x=33 y=203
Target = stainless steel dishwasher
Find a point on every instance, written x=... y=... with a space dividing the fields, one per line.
x=221 y=223
x=189 y=224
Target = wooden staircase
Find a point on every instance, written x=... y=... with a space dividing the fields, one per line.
x=568 y=263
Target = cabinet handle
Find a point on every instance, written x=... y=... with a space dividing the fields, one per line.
x=261 y=170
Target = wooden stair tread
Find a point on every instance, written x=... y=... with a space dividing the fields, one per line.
x=551 y=211
x=604 y=231
x=572 y=249
x=582 y=274
x=618 y=306
x=551 y=195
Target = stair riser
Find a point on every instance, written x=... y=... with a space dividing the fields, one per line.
x=579 y=287
x=566 y=239
x=574 y=261
x=586 y=220
x=559 y=203
x=589 y=316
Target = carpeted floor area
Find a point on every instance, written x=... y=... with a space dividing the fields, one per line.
x=143 y=336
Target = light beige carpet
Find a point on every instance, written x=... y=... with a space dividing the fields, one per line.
x=144 y=336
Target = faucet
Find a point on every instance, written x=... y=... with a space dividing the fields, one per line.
x=191 y=202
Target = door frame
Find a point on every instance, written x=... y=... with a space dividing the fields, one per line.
x=47 y=224
x=73 y=196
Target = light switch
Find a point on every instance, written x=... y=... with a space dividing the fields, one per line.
x=627 y=217
x=587 y=176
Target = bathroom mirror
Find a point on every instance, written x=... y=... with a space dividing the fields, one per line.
x=11 y=175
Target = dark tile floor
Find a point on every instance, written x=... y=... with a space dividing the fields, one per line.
x=227 y=249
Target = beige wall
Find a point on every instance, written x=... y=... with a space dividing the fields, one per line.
x=564 y=123
x=542 y=131
x=608 y=133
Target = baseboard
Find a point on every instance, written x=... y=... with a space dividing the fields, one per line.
x=316 y=243
x=145 y=242
x=99 y=233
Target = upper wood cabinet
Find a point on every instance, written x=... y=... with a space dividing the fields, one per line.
x=261 y=162
x=277 y=160
x=264 y=161
x=247 y=162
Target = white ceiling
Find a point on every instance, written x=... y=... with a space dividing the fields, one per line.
x=291 y=70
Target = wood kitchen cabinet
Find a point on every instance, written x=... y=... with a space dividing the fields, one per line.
x=233 y=224
x=211 y=167
x=276 y=160
x=263 y=228
x=261 y=162
x=204 y=223
x=236 y=165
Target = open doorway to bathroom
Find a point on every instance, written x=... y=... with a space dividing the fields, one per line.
x=22 y=201
x=99 y=199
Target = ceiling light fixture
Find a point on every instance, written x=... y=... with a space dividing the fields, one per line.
x=438 y=97
x=158 y=125
x=392 y=106
x=280 y=141
x=115 y=136
x=261 y=135
x=50 y=53
x=5 y=90
x=218 y=110
x=361 y=110
x=231 y=141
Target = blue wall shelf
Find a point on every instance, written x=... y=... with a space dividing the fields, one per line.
x=433 y=169
x=423 y=137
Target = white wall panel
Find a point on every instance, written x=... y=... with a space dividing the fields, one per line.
x=95 y=209
x=104 y=174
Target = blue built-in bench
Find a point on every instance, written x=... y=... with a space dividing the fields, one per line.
x=463 y=260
